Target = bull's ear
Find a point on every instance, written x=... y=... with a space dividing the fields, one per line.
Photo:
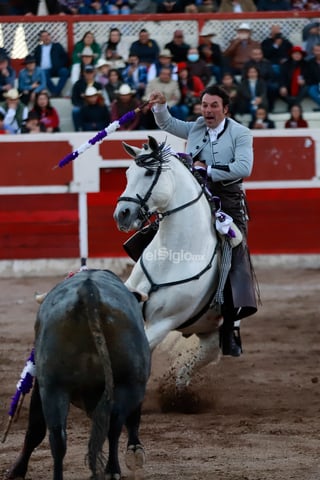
x=153 y=144
x=131 y=150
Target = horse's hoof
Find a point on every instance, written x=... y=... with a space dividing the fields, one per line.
x=113 y=476
x=135 y=457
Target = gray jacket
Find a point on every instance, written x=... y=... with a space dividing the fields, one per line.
x=230 y=156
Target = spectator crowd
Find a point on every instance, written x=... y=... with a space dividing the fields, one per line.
x=108 y=80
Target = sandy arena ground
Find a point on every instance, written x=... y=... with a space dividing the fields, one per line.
x=260 y=414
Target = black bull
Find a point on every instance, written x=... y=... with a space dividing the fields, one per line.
x=90 y=350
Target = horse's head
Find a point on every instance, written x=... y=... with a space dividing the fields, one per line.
x=150 y=185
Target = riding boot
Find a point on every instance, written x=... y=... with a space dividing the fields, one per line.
x=230 y=340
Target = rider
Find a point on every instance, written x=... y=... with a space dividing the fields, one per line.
x=222 y=152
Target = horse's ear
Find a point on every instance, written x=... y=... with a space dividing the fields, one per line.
x=153 y=144
x=131 y=150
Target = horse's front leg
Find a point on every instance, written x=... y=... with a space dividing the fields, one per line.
x=207 y=351
x=157 y=332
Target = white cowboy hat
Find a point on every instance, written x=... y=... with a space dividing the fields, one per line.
x=12 y=94
x=102 y=62
x=90 y=91
x=165 y=53
x=87 y=52
x=244 y=26
x=125 y=90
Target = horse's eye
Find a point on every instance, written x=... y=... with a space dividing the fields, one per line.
x=149 y=173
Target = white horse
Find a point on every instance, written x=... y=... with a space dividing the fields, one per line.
x=178 y=270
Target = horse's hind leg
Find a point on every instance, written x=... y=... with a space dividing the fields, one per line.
x=135 y=457
x=207 y=351
x=36 y=432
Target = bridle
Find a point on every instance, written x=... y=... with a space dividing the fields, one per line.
x=144 y=212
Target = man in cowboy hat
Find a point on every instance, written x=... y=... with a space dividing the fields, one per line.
x=15 y=112
x=125 y=102
x=239 y=49
x=94 y=114
x=165 y=84
x=210 y=52
x=164 y=60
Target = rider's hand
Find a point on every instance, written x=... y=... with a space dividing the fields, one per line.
x=157 y=97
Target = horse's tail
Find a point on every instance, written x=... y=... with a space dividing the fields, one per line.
x=90 y=296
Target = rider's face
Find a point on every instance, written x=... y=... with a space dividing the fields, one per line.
x=213 y=110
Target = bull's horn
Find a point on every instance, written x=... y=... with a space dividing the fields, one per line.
x=39 y=297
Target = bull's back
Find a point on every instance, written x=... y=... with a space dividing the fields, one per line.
x=64 y=343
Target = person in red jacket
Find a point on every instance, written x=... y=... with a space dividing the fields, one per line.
x=296 y=119
x=190 y=87
x=47 y=114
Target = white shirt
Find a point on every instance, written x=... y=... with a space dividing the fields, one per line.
x=214 y=132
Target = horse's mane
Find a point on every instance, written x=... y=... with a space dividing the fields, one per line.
x=155 y=158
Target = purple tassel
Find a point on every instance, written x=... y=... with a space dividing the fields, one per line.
x=100 y=136
x=127 y=117
x=24 y=385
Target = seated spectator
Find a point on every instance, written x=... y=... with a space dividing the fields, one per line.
x=147 y=121
x=32 y=124
x=94 y=7
x=311 y=37
x=261 y=120
x=78 y=90
x=178 y=47
x=195 y=112
x=44 y=7
x=94 y=114
x=239 y=49
x=7 y=75
x=293 y=75
x=211 y=53
x=88 y=57
x=252 y=92
x=53 y=59
x=276 y=48
x=103 y=68
x=31 y=80
x=164 y=60
x=296 y=119
x=146 y=49
x=305 y=5
x=135 y=75
x=165 y=84
x=88 y=40
x=114 y=83
x=15 y=112
x=266 y=73
x=229 y=84
x=197 y=66
x=145 y=6
x=170 y=6
x=237 y=6
x=116 y=7
x=313 y=77
x=273 y=5
x=71 y=7
x=114 y=49
x=3 y=129
x=201 y=6
x=125 y=102
x=47 y=114
x=190 y=87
